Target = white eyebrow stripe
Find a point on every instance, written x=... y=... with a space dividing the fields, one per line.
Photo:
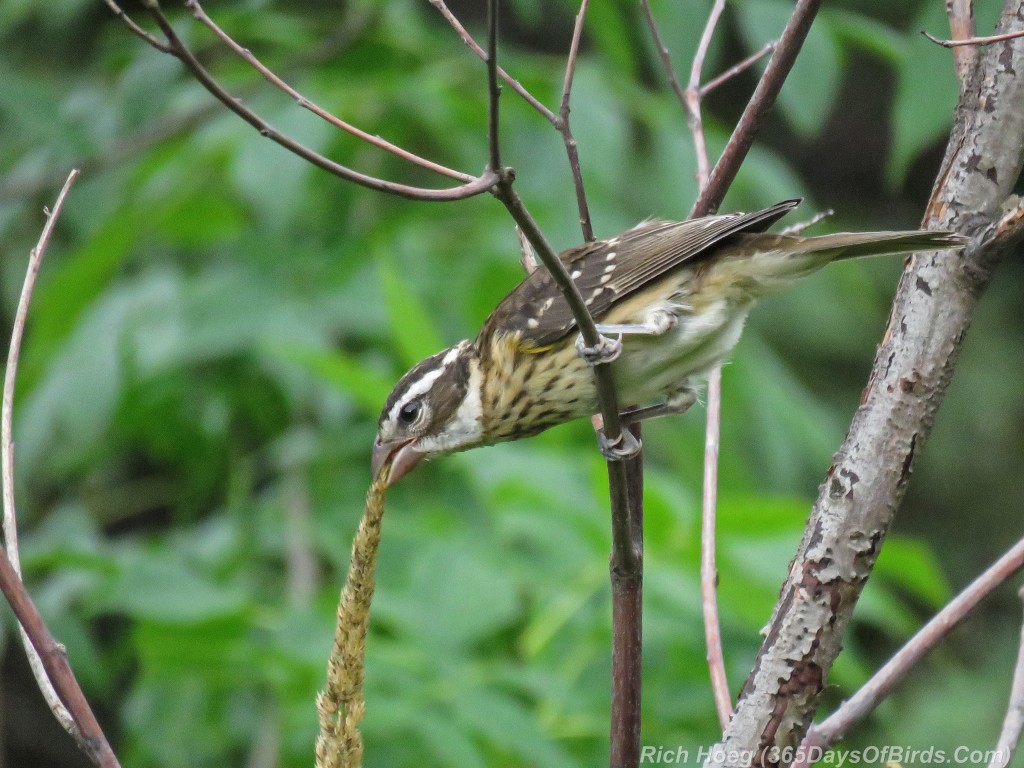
x=423 y=386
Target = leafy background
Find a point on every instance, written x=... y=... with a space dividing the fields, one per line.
x=218 y=323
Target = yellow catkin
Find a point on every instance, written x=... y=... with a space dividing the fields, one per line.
x=340 y=705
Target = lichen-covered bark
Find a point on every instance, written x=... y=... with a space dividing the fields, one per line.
x=931 y=314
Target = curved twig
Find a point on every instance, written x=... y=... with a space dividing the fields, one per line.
x=46 y=656
x=200 y=15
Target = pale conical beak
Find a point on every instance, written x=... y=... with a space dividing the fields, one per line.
x=401 y=454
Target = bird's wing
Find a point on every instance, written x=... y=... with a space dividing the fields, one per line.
x=607 y=271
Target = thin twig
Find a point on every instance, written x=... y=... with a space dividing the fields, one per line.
x=514 y=84
x=46 y=656
x=10 y=523
x=564 y=128
x=800 y=226
x=760 y=103
x=690 y=99
x=177 y=48
x=203 y=18
x=864 y=701
x=693 y=106
x=1013 y=723
x=708 y=569
x=493 y=91
x=712 y=427
x=975 y=40
x=738 y=68
x=136 y=29
x=624 y=477
x=666 y=56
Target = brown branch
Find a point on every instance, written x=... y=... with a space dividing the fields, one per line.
x=779 y=65
x=46 y=656
x=738 y=68
x=10 y=515
x=514 y=84
x=625 y=480
x=931 y=313
x=177 y=48
x=246 y=55
x=712 y=429
x=708 y=569
x=975 y=41
x=136 y=29
x=563 y=127
x=1013 y=722
x=870 y=695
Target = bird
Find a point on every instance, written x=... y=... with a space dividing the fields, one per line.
x=674 y=294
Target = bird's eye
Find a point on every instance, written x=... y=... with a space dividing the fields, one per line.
x=409 y=412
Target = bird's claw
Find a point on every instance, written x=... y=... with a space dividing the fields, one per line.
x=626 y=446
x=604 y=352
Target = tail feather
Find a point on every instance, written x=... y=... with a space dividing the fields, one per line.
x=762 y=264
x=853 y=245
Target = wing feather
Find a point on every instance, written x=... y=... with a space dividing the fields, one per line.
x=607 y=271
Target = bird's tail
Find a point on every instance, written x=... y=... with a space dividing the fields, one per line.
x=763 y=263
x=853 y=245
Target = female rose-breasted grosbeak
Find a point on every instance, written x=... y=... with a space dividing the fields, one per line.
x=678 y=294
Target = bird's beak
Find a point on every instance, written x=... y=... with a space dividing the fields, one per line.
x=402 y=455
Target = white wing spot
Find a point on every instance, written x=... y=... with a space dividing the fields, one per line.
x=609 y=269
x=611 y=256
x=546 y=305
x=605 y=277
x=613 y=241
x=575 y=274
x=532 y=323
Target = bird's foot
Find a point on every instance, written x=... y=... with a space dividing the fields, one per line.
x=604 y=352
x=626 y=446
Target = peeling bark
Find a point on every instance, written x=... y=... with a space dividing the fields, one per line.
x=932 y=311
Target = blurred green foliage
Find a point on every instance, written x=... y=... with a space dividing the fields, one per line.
x=217 y=324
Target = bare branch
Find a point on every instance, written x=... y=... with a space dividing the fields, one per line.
x=46 y=657
x=760 y=103
x=862 y=703
x=708 y=569
x=514 y=84
x=201 y=16
x=1013 y=723
x=177 y=48
x=975 y=41
x=566 y=131
x=738 y=68
x=136 y=29
x=10 y=523
x=493 y=91
x=933 y=308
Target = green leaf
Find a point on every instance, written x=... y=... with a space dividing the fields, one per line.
x=159 y=586
x=366 y=386
x=926 y=92
x=414 y=332
x=811 y=88
x=911 y=565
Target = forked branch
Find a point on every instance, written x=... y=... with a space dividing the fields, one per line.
x=175 y=46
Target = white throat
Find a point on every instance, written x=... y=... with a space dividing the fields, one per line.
x=465 y=428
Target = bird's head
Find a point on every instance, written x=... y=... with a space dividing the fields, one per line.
x=433 y=410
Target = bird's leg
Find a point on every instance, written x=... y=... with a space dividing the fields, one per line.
x=658 y=322
x=679 y=401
